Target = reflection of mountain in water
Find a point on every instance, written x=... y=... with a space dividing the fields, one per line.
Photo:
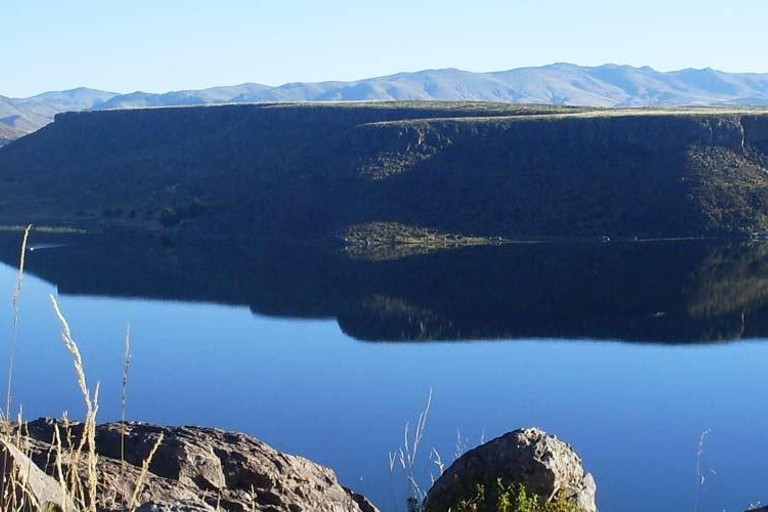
x=668 y=292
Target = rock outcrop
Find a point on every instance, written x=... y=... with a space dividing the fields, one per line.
x=543 y=464
x=200 y=469
x=31 y=489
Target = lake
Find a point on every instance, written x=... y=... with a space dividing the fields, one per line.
x=628 y=351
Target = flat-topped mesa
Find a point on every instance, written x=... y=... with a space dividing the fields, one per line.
x=334 y=112
x=309 y=171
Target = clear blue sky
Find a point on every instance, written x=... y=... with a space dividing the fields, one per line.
x=162 y=45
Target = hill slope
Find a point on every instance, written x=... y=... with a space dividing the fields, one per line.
x=29 y=114
x=8 y=134
x=15 y=116
x=48 y=104
x=312 y=171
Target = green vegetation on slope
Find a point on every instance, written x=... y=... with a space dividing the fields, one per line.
x=475 y=170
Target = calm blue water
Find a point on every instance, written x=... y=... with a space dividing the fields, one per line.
x=634 y=412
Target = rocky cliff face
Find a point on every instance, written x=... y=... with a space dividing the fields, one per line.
x=612 y=129
x=311 y=171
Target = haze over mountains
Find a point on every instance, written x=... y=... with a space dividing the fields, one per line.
x=560 y=84
x=29 y=114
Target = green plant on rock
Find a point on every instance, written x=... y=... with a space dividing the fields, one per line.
x=513 y=498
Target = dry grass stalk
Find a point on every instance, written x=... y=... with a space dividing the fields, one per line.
x=699 y=475
x=144 y=470
x=462 y=444
x=124 y=399
x=68 y=454
x=15 y=493
x=407 y=454
x=59 y=469
x=15 y=333
x=66 y=336
x=87 y=498
x=438 y=461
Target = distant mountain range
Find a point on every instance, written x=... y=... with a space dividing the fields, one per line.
x=8 y=133
x=560 y=84
x=23 y=115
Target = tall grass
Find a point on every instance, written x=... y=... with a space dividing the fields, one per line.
x=124 y=397
x=14 y=494
x=407 y=455
x=75 y=461
x=133 y=503
x=416 y=469
x=15 y=324
x=87 y=497
x=699 y=474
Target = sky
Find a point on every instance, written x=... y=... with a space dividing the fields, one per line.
x=163 y=45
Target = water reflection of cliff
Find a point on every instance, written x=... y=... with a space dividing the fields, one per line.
x=666 y=292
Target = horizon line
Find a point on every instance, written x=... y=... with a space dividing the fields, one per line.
x=389 y=75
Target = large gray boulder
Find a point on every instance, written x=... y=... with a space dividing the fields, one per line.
x=198 y=468
x=543 y=464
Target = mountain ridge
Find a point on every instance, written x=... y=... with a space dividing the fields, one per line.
x=25 y=115
x=609 y=85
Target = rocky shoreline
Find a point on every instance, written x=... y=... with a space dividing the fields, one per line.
x=194 y=469
x=205 y=469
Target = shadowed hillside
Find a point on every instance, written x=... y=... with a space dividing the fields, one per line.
x=474 y=170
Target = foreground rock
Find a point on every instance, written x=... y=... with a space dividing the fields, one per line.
x=543 y=464
x=32 y=488
x=201 y=469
